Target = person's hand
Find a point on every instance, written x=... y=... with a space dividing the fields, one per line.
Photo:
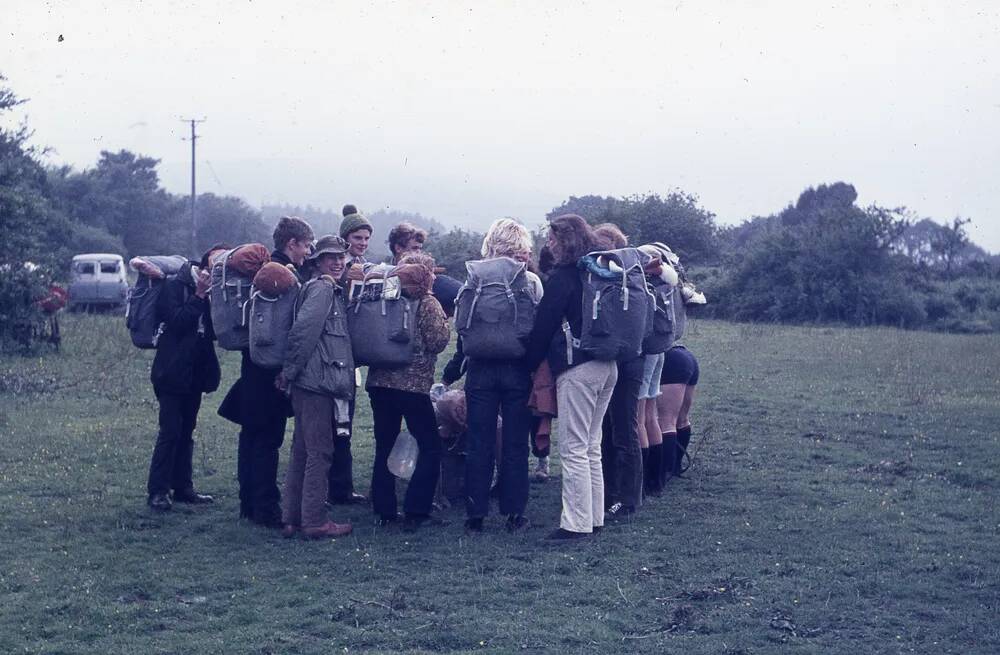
x=203 y=282
x=281 y=382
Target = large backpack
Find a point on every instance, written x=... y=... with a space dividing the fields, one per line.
x=617 y=306
x=140 y=312
x=230 y=302
x=661 y=337
x=270 y=319
x=494 y=310
x=382 y=323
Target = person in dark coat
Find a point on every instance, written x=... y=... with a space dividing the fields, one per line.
x=259 y=408
x=185 y=366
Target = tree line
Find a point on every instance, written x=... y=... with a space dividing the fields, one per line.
x=821 y=259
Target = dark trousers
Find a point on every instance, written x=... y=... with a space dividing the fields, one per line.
x=257 y=469
x=341 y=478
x=170 y=466
x=492 y=390
x=389 y=408
x=535 y=450
x=620 y=455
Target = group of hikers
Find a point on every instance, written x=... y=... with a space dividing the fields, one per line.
x=588 y=331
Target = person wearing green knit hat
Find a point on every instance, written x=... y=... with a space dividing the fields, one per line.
x=356 y=230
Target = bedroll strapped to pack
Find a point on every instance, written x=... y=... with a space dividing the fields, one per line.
x=661 y=337
x=617 y=305
x=140 y=312
x=230 y=295
x=270 y=318
x=494 y=310
x=382 y=322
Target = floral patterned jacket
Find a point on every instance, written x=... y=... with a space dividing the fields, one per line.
x=432 y=335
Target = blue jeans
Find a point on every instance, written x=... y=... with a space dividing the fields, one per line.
x=495 y=389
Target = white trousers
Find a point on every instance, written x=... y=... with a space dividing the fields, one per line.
x=583 y=393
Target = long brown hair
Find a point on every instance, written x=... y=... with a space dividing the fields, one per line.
x=574 y=236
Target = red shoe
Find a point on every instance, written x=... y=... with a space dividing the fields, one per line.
x=288 y=530
x=327 y=530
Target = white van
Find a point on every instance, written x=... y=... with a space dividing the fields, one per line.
x=97 y=281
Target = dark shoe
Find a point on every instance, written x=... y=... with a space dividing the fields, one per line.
x=516 y=523
x=597 y=529
x=618 y=512
x=159 y=502
x=352 y=498
x=413 y=522
x=269 y=517
x=190 y=497
x=384 y=521
x=288 y=531
x=473 y=526
x=560 y=536
x=328 y=530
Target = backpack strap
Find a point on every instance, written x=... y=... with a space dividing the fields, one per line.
x=475 y=300
x=571 y=342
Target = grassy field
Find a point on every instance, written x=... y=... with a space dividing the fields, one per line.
x=843 y=500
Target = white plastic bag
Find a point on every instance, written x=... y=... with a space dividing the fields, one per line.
x=403 y=457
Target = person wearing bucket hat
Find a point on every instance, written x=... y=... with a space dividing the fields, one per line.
x=319 y=371
x=258 y=407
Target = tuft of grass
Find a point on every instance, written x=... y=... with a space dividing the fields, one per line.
x=843 y=500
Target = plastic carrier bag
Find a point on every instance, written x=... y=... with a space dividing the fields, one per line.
x=403 y=457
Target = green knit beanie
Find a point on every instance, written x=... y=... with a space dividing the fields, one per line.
x=354 y=222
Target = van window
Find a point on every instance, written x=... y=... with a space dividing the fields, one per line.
x=109 y=267
x=85 y=268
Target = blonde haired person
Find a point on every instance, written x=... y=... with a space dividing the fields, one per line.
x=498 y=386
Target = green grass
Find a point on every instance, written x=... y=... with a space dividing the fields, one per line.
x=843 y=500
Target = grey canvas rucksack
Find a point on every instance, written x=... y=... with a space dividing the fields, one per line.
x=617 y=306
x=140 y=312
x=270 y=318
x=230 y=302
x=494 y=310
x=382 y=322
x=661 y=337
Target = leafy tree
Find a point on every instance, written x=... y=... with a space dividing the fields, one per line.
x=949 y=243
x=453 y=248
x=122 y=195
x=675 y=219
x=226 y=219
x=823 y=259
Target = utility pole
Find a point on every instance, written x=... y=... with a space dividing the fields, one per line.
x=194 y=220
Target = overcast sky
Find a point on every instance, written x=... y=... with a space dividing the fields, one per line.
x=467 y=112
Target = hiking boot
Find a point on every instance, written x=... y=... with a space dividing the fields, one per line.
x=159 y=502
x=541 y=472
x=517 y=523
x=327 y=530
x=561 y=536
x=474 y=526
x=190 y=497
